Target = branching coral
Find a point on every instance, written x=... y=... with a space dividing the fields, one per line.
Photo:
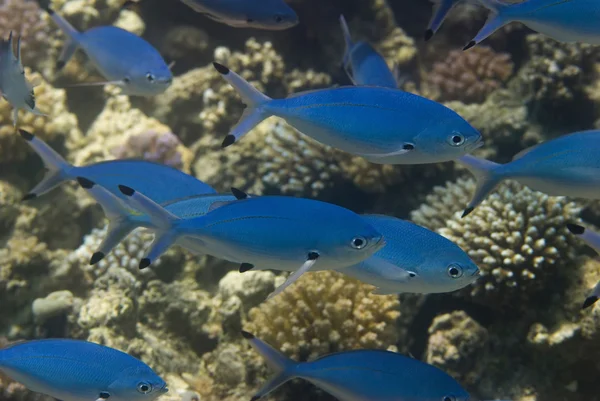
x=469 y=76
x=516 y=236
x=160 y=147
x=327 y=312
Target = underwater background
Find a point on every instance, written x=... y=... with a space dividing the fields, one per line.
x=517 y=333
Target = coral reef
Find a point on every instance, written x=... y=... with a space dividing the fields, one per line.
x=469 y=76
x=327 y=312
x=516 y=236
x=160 y=147
x=50 y=101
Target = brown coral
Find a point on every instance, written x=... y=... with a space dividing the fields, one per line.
x=469 y=76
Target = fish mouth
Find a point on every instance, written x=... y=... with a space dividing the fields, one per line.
x=476 y=273
x=164 y=389
x=477 y=144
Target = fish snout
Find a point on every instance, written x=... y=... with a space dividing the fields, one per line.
x=476 y=273
x=476 y=144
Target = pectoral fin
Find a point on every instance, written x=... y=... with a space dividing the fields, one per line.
x=383 y=155
x=310 y=262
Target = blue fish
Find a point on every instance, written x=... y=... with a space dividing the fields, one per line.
x=363 y=64
x=266 y=14
x=441 y=8
x=273 y=232
x=563 y=20
x=362 y=375
x=73 y=370
x=565 y=166
x=161 y=183
x=122 y=219
x=414 y=260
x=592 y=239
x=14 y=86
x=383 y=125
x=123 y=58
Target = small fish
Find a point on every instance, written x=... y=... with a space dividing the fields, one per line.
x=565 y=166
x=14 y=86
x=269 y=232
x=592 y=239
x=414 y=260
x=122 y=219
x=266 y=14
x=383 y=125
x=363 y=64
x=441 y=9
x=162 y=183
x=124 y=59
x=563 y=20
x=74 y=370
x=359 y=375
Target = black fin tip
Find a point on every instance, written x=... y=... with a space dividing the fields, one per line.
x=126 y=190
x=29 y=197
x=229 y=140
x=144 y=263
x=238 y=193
x=469 y=45
x=96 y=257
x=467 y=212
x=221 y=69
x=589 y=301
x=428 y=34
x=28 y=136
x=575 y=229
x=247 y=336
x=85 y=183
x=244 y=267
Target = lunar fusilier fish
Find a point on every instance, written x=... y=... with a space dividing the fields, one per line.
x=264 y=14
x=414 y=260
x=592 y=239
x=358 y=375
x=122 y=219
x=269 y=232
x=563 y=20
x=73 y=370
x=162 y=183
x=14 y=86
x=383 y=125
x=123 y=58
x=363 y=64
x=565 y=166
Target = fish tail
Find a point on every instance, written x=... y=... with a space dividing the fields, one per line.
x=285 y=368
x=120 y=222
x=166 y=231
x=487 y=177
x=58 y=172
x=253 y=99
x=497 y=19
x=347 y=40
x=441 y=8
x=73 y=34
x=591 y=238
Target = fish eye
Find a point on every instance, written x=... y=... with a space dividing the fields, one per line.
x=455 y=271
x=278 y=18
x=358 y=242
x=150 y=77
x=449 y=398
x=144 y=388
x=456 y=139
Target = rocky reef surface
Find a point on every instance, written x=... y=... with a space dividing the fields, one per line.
x=518 y=333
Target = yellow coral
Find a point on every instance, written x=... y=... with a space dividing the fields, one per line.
x=58 y=122
x=326 y=312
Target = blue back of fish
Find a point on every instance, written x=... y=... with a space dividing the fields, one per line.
x=280 y=230
x=159 y=182
x=369 y=67
x=115 y=51
x=380 y=375
x=365 y=119
x=66 y=368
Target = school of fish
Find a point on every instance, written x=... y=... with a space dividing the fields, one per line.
x=372 y=119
